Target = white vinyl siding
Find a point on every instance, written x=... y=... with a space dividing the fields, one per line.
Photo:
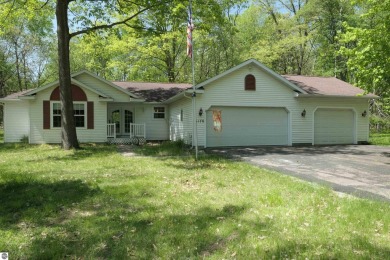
x=303 y=128
x=40 y=135
x=181 y=129
x=334 y=126
x=229 y=91
x=16 y=121
x=156 y=128
x=243 y=126
x=92 y=82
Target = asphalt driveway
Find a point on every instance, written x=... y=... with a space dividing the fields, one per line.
x=362 y=170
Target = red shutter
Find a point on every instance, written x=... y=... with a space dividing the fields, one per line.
x=46 y=114
x=90 y=115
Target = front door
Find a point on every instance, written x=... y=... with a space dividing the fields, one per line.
x=122 y=118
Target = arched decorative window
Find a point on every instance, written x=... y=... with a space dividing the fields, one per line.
x=250 y=82
x=83 y=109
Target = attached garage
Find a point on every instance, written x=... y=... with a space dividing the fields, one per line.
x=334 y=126
x=246 y=126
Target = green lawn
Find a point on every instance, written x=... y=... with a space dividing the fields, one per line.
x=380 y=139
x=96 y=204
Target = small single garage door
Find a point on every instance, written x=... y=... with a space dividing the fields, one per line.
x=243 y=126
x=334 y=126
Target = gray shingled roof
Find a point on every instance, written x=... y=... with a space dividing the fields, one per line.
x=158 y=92
x=153 y=92
x=16 y=95
x=327 y=86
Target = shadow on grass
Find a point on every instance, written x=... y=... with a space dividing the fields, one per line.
x=362 y=248
x=86 y=151
x=148 y=236
x=34 y=201
x=168 y=148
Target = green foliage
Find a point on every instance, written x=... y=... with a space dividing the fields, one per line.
x=24 y=139
x=380 y=138
x=25 y=27
x=94 y=203
x=370 y=47
x=379 y=124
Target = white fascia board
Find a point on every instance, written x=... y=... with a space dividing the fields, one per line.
x=105 y=99
x=106 y=82
x=34 y=91
x=56 y=83
x=183 y=94
x=137 y=100
x=198 y=91
x=334 y=96
x=27 y=97
x=3 y=100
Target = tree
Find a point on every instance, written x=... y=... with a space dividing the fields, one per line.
x=24 y=33
x=68 y=130
x=329 y=17
x=369 y=51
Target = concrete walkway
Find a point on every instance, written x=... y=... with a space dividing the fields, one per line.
x=361 y=170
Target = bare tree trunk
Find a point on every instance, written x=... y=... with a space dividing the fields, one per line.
x=68 y=129
x=25 y=71
x=18 y=65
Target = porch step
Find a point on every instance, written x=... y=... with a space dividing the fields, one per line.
x=127 y=140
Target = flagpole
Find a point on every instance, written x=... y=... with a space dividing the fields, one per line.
x=194 y=121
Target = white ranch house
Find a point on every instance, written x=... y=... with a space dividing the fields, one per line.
x=246 y=105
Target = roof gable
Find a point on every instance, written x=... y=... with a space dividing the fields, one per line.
x=111 y=84
x=262 y=67
x=74 y=80
x=56 y=83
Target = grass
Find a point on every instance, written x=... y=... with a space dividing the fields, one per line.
x=380 y=138
x=96 y=204
x=177 y=148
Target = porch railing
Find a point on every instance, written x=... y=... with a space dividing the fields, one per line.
x=111 y=131
x=137 y=130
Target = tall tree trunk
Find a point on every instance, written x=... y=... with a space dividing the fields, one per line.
x=68 y=129
x=18 y=65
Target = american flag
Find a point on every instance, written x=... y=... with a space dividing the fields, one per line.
x=190 y=28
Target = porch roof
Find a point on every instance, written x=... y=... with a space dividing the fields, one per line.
x=153 y=92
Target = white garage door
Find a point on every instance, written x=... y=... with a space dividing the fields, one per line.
x=334 y=126
x=242 y=126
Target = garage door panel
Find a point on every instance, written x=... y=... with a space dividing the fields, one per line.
x=334 y=126
x=249 y=126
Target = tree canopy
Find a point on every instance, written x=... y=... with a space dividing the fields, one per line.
x=145 y=40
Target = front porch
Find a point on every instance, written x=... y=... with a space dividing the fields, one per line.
x=136 y=134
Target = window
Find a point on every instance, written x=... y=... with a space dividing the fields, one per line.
x=78 y=112
x=159 y=112
x=250 y=82
x=56 y=115
x=79 y=115
x=181 y=115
